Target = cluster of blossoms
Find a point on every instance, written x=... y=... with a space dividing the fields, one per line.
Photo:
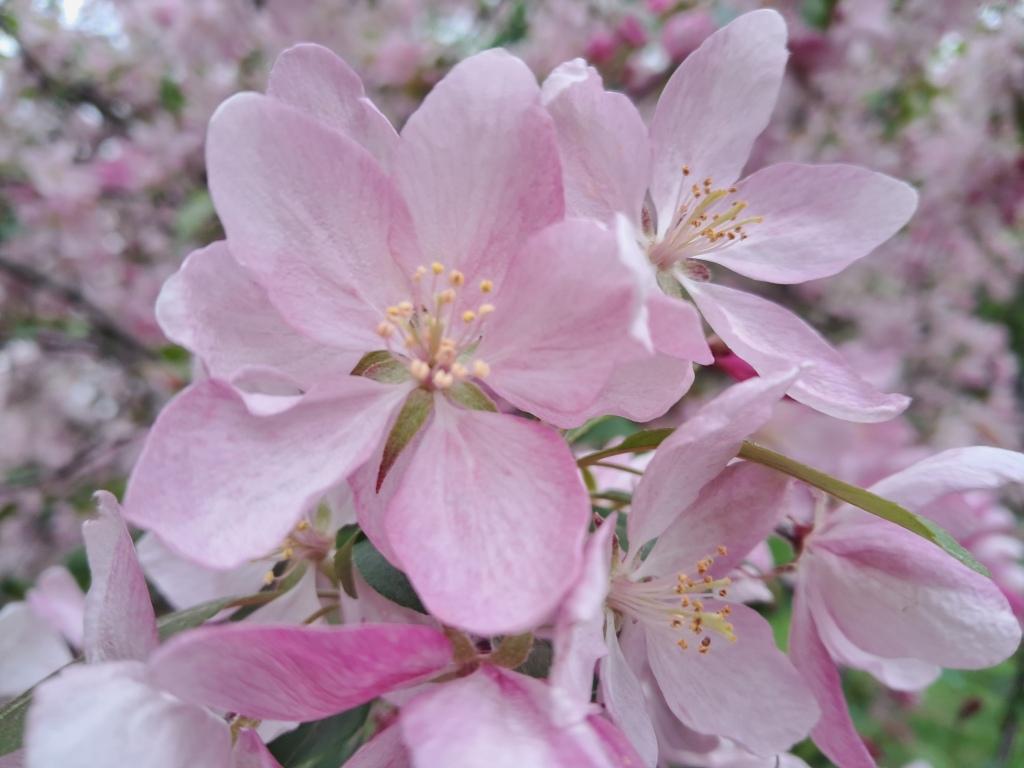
x=383 y=485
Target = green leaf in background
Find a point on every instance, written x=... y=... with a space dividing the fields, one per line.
x=320 y=744
x=194 y=215
x=12 y=722
x=171 y=97
x=384 y=577
x=858 y=497
x=343 y=543
x=417 y=407
x=639 y=442
x=818 y=13
x=176 y=622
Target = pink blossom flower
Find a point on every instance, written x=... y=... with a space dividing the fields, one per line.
x=784 y=224
x=873 y=595
x=460 y=265
x=134 y=703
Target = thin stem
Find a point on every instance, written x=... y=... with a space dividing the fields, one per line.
x=620 y=467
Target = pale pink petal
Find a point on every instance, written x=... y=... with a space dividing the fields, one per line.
x=184 y=584
x=250 y=752
x=311 y=78
x=698 y=451
x=624 y=698
x=111 y=715
x=556 y=336
x=221 y=486
x=818 y=219
x=606 y=155
x=834 y=734
x=385 y=750
x=746 y=691
x=14 y=759
x=617 y=748
x=954 y=471
x=737 y=510
x=643 y=390
x=895 y=595
x=297 y=673
x=773 y=339
x=489 y=520
x=492 y=717
x=57 y=598
x=478 y=165
x=214 y=307
x=715 y=105
x=676 y=329
x=30 y=649
x=312 y=215
x=119 y=619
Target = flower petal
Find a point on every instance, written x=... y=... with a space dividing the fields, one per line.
x=478 y=165
x=57 y=598
x=311 y=78
x=220 y=485
x=556 y=336
x=623 y=696
x=110 y=714
x=818 y=219
x=312 y=215
x=384 y=750
x=216 y=309
x=30 y=649
x=250 y=752
x=698 y=451
x=715 y=105
x=297 y=673
x=603 y=142
x=489 y=520
x=773 y=339
x=734 y=689
x=119 y=619
x=737 y=510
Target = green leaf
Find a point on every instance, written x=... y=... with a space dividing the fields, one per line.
x=818 y=13
x=343 y=544
x=12 y=722
x=194 y=215
x=384 y=577
x=639 y=442
x=417 y=407
x=470 y=396
x=171 y=97
x=858 y=497
x=176 y=622
x=322 y=743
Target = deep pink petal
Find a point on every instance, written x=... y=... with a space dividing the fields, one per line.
x=489 y=520
x=834 y=734
x=297 y=673
x=617 y=747
x=30 y=649
x=311 y=78
x=312 y=215
x=495 y=718
x=478 y=165
x=220 y=485
x=215 y=308
x=623 y=696
x=385 y=750
x=111 y=715
x=250 y=752
x=698 y=451
x=715 y=105
x=119 y=619
x=818 y=219
x=737 y=510
x=957 y=470
x=606 y=154
x=773 y=339
x=895 y=595
x=746 y=691
x=57 y=598
x=564 y=320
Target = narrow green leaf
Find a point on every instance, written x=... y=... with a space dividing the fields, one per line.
x=858 y=497
x=176 y=622
x=384 y=577
x=343 y=544
x=575 y=434
x=417 y=407
x=639 y=442
x=470 y=396
x=322 y=743
x=12 y=722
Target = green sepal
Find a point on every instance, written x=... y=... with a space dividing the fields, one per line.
x=381 y=366
x=513 y=651
x=470 y=396
x=417 y=407
x=858 y=497
x=384 y=577
x=343 y=544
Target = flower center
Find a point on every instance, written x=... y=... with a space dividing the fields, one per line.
x=704 y=219
x=307 y=543
x=439 y=329
x=678 y=606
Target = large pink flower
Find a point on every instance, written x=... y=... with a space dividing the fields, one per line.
x=873 y=595
x=458 y=268
x=784 y=224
